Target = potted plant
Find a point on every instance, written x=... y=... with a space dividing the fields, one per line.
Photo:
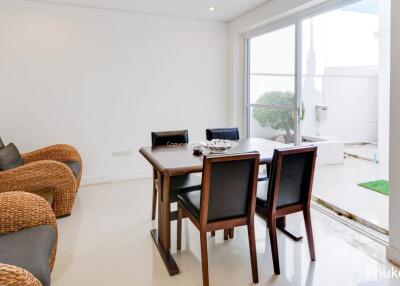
x=275 y=118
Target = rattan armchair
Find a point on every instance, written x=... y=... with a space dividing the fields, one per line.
x=59 y=153
x=44 y=169
x=14 y=276
x=18 y=211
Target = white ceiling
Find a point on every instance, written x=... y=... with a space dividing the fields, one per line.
x=225 y=10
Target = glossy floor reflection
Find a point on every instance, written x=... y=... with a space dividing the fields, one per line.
x=107 y=242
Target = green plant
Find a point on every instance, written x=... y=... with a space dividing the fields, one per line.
x=277 y=119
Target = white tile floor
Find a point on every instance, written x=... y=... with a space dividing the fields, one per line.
x=106 y=241
x=337 y=185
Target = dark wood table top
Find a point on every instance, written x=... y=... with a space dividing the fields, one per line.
x=179 y=159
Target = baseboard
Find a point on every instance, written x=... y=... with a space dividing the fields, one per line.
x=109 y=178
x=393 y=254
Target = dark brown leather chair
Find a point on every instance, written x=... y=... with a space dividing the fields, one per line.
x=229 y=134
x=222 y=133
x=227 y=200
x=169 y=138
x=288 y=191
x=182 y=183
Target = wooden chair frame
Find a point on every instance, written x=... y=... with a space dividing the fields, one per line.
x=272 y=213
x=204 y=226
x=185 y=133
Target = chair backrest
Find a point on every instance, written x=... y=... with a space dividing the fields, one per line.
x=1 y=144
x=291 y=179
x=222 y=133
x=229 y=186
x=169 y=137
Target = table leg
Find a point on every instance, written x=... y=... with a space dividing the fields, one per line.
x=162 y=235
x=281 y=225
x=281 y=222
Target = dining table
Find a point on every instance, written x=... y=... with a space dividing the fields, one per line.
x=178 y=159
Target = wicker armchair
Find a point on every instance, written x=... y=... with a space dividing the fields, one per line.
x=43 y=170
x=18 y=211
x=14 y=276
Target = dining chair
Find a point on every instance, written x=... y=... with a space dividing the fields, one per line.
x=169 y=137
x=227 y=199
x=222 y=133
x=229 y=134
x=288 y=191
x=182 y=183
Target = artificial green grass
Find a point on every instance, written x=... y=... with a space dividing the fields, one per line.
x=380 y=186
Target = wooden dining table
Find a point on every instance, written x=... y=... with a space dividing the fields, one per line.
x=178 y=159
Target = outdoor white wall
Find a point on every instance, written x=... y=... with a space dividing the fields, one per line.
x=102 y=80
x=340 y=59
x=393 y=251
x=351 y=95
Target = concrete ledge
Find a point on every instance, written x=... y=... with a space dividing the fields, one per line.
x=351 y=216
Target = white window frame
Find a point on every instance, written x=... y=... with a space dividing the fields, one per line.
x=295 y=20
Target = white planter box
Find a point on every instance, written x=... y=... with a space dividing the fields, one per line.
x=330 y=150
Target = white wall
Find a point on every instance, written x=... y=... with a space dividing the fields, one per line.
x=393 y=251
x=102 y=80
x=384 y=81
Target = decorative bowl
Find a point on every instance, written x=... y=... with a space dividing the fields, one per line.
x=218 y=145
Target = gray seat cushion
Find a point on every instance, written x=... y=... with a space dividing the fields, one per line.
x=74 y=166
x=191 y=202
x=29 y=249
x=10 y=157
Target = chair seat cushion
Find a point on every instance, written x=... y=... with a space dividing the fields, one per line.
x=74 y=166
x=184 y=183
x=262 y=193
x=29 y=249
x=10 y=157
x=191 y=202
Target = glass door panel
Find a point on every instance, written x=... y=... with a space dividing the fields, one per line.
x=271 y=85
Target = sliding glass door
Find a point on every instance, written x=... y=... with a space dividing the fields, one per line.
x=298 y=67
x=326 y=71
x=271 y=84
